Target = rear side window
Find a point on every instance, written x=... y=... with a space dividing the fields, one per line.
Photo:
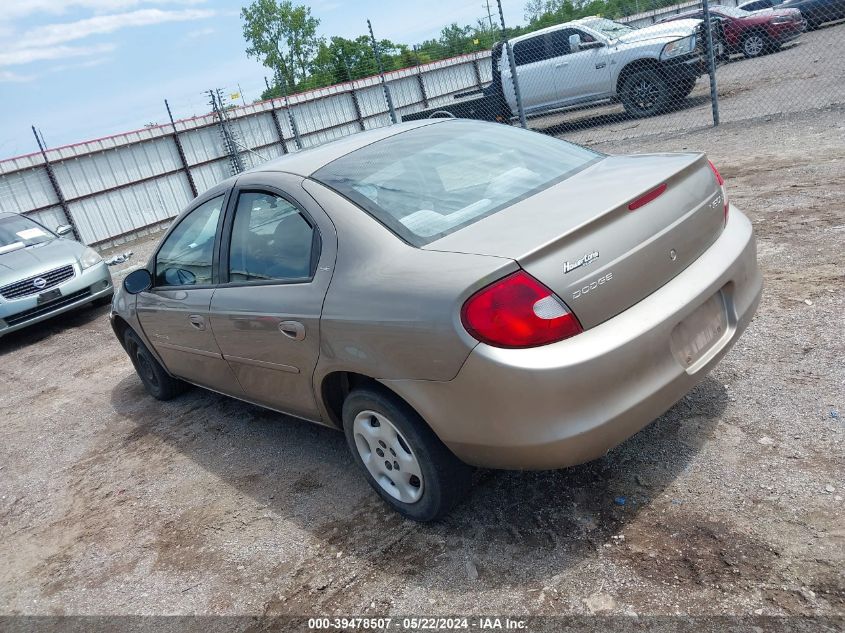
x=431 y=181
x=271 y=240
x=529 y=51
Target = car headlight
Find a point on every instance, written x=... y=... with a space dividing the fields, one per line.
x=89 y=258
x=678 y=47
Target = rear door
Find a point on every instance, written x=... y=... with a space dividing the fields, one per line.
x=277 y=258
x=534 y=73
x=579 y=75
x=174 y=313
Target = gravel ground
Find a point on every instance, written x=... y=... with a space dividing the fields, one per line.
x=730 y=503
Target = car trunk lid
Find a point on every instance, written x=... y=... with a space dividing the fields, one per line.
x=581 y=239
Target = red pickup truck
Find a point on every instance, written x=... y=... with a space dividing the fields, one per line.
x=752 y=34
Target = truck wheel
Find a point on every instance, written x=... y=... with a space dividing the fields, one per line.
x=646 y=93
x=402 y=459
x=754 y=44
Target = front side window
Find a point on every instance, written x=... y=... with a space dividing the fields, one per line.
x=185 y=258
x=431 y=181
x=271 y=240
x=559 y=40
x=529 y=51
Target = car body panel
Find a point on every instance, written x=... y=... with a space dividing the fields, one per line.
x=580 y=239
x=565 y=403
x=249 y=319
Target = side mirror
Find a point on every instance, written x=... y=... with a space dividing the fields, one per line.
x=574 y=43
x=138 y=281
x=64 y=229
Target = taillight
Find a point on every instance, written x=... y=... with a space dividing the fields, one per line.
x=721 y=183
x=518 y=311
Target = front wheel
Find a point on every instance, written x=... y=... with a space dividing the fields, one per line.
x=402 y=459
x=158 y=383
x=646 y=93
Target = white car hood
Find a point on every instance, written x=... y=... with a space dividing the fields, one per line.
x=668 y=30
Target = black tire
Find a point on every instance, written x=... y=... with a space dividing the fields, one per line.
x=445 y=479
x=158 y=383
x=755 y=44
x=646 y=93
x=683 y=89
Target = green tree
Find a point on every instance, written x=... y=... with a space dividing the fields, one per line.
x=282 y=36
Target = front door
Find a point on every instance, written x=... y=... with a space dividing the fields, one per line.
x=174 y=313
x=581 y=75
x=276 y=262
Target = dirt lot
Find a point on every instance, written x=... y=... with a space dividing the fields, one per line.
x=730 y=503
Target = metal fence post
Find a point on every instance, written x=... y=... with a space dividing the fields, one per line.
x=51 y=176
x=281 y=81
x=384 y=85
x=180 y=150
x=509 y=50
x=275 y=117
x=355 y=103
x=420 y=79
x=477 y=70
x=711 y=63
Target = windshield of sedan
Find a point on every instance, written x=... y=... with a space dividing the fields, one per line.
x=17 y=232
x=428 y=182
x=608 y=28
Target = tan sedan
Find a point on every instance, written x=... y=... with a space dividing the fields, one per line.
x=450 y=294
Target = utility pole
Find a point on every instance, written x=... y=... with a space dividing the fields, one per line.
x=181 y=151
x=490 y=15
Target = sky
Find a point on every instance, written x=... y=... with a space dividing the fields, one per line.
x=83 y=69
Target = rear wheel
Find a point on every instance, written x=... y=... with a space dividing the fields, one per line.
x=755 y=44
x=158 y=383
x=402 y=459
x=646 y=93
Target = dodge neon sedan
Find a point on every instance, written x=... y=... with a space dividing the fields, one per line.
x=43 y=274
x=451 y=294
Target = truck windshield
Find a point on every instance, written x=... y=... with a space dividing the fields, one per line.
x=430 y=181
x=608 y=28
x=17 y=232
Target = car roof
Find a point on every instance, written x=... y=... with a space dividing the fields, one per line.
x=554 y=27
x=306 y=162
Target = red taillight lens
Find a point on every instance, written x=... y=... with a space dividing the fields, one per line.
x=646 y=198
x=721 y=182
x=518 y=311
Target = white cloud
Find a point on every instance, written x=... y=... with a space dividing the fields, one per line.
x=33 y=54
x=7 y=76
x=19 y=8
x=201 y=33
x=52 y=34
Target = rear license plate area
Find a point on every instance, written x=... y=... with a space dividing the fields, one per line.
x=50 y=295
x=700 y=332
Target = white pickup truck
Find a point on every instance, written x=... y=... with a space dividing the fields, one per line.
x=590 y=60
x=594 y=59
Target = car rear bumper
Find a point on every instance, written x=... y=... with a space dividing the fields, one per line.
x=783 y=33
x=569 y=402
x=85 y=286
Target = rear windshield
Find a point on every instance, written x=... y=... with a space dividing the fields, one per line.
x=428 y=182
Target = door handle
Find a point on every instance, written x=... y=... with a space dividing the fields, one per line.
x=292 y=329
x=197 y=322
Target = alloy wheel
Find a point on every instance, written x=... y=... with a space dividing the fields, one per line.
x=645 y=94
x=753 y=45
x=387 y=456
